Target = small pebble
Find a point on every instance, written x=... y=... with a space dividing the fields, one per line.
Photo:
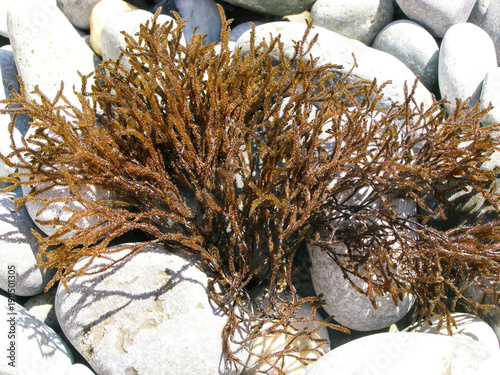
x=103 y=11
x=78 y=11
x=437 y=16
x=36 y=348
x=490 y=94
x=356 y=19
x=414 y=46
x=409 y=353
x=467 y=53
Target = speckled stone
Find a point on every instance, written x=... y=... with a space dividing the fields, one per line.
x=356 y=19
x=437 y=16
x=347 y=305
x=149 y=314
x=467 y=53
x=79 y=369
x=414 y=46
x=47 y=48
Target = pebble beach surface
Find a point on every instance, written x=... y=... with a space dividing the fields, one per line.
x=115 y=323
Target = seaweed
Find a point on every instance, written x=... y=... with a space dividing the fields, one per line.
x=240 y=161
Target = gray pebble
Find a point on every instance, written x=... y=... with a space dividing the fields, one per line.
x=437 y=16
x=19 y=248
x=414 y=46
x=356 y=19
x=491 y=24
x=274 y=7
x=78 y=11
x=490 y=94
x=467 y=53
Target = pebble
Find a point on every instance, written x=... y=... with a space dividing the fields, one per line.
x=19 y=248
x=79 y=369
x=127 y=321
x=103 y=11
x=333 y=48
x=437 y=16
x=347 y=306
x=201 y=14
x=414 y=46
x=242 y=28
x=490 y=94
x=467 y=325
x=467 y=53
x=478 y=12
x=37 y=348
x=491 y=24
x=490 y=316
x=276 y=342
x=59 y=209
x=275 y=7
x=4 y=6
x=112 y=39
x=10 y=84
x=47 y=48
x=41 y=307
x=78 y=11
x=356 y=19
x=409 y=353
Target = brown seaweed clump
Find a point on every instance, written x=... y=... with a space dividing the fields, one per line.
x=217 y=154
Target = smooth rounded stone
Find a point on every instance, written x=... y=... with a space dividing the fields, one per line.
x=347 y=305
x=275 y=7
x=414 y=46
x=467 y=53
x=112 y=39
x=148 y=314
x=467 y=325
x=62 y=210
x=41 y=307
x=4 y=7
x=409 y=353
x=18 y=249
x=103 y=11
x=5 y=146
x=78 y=11
x=477 y=14
x=356 y=19
x=242 y=28
x=491 y=24
x=79 y=369
x=333 y=48
x=276 y=342
x=8 y=84
x=36 y=348
x=201 y=14
x=489 y=94
x=47 y=48
x=437 y=16
x=490 y=316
